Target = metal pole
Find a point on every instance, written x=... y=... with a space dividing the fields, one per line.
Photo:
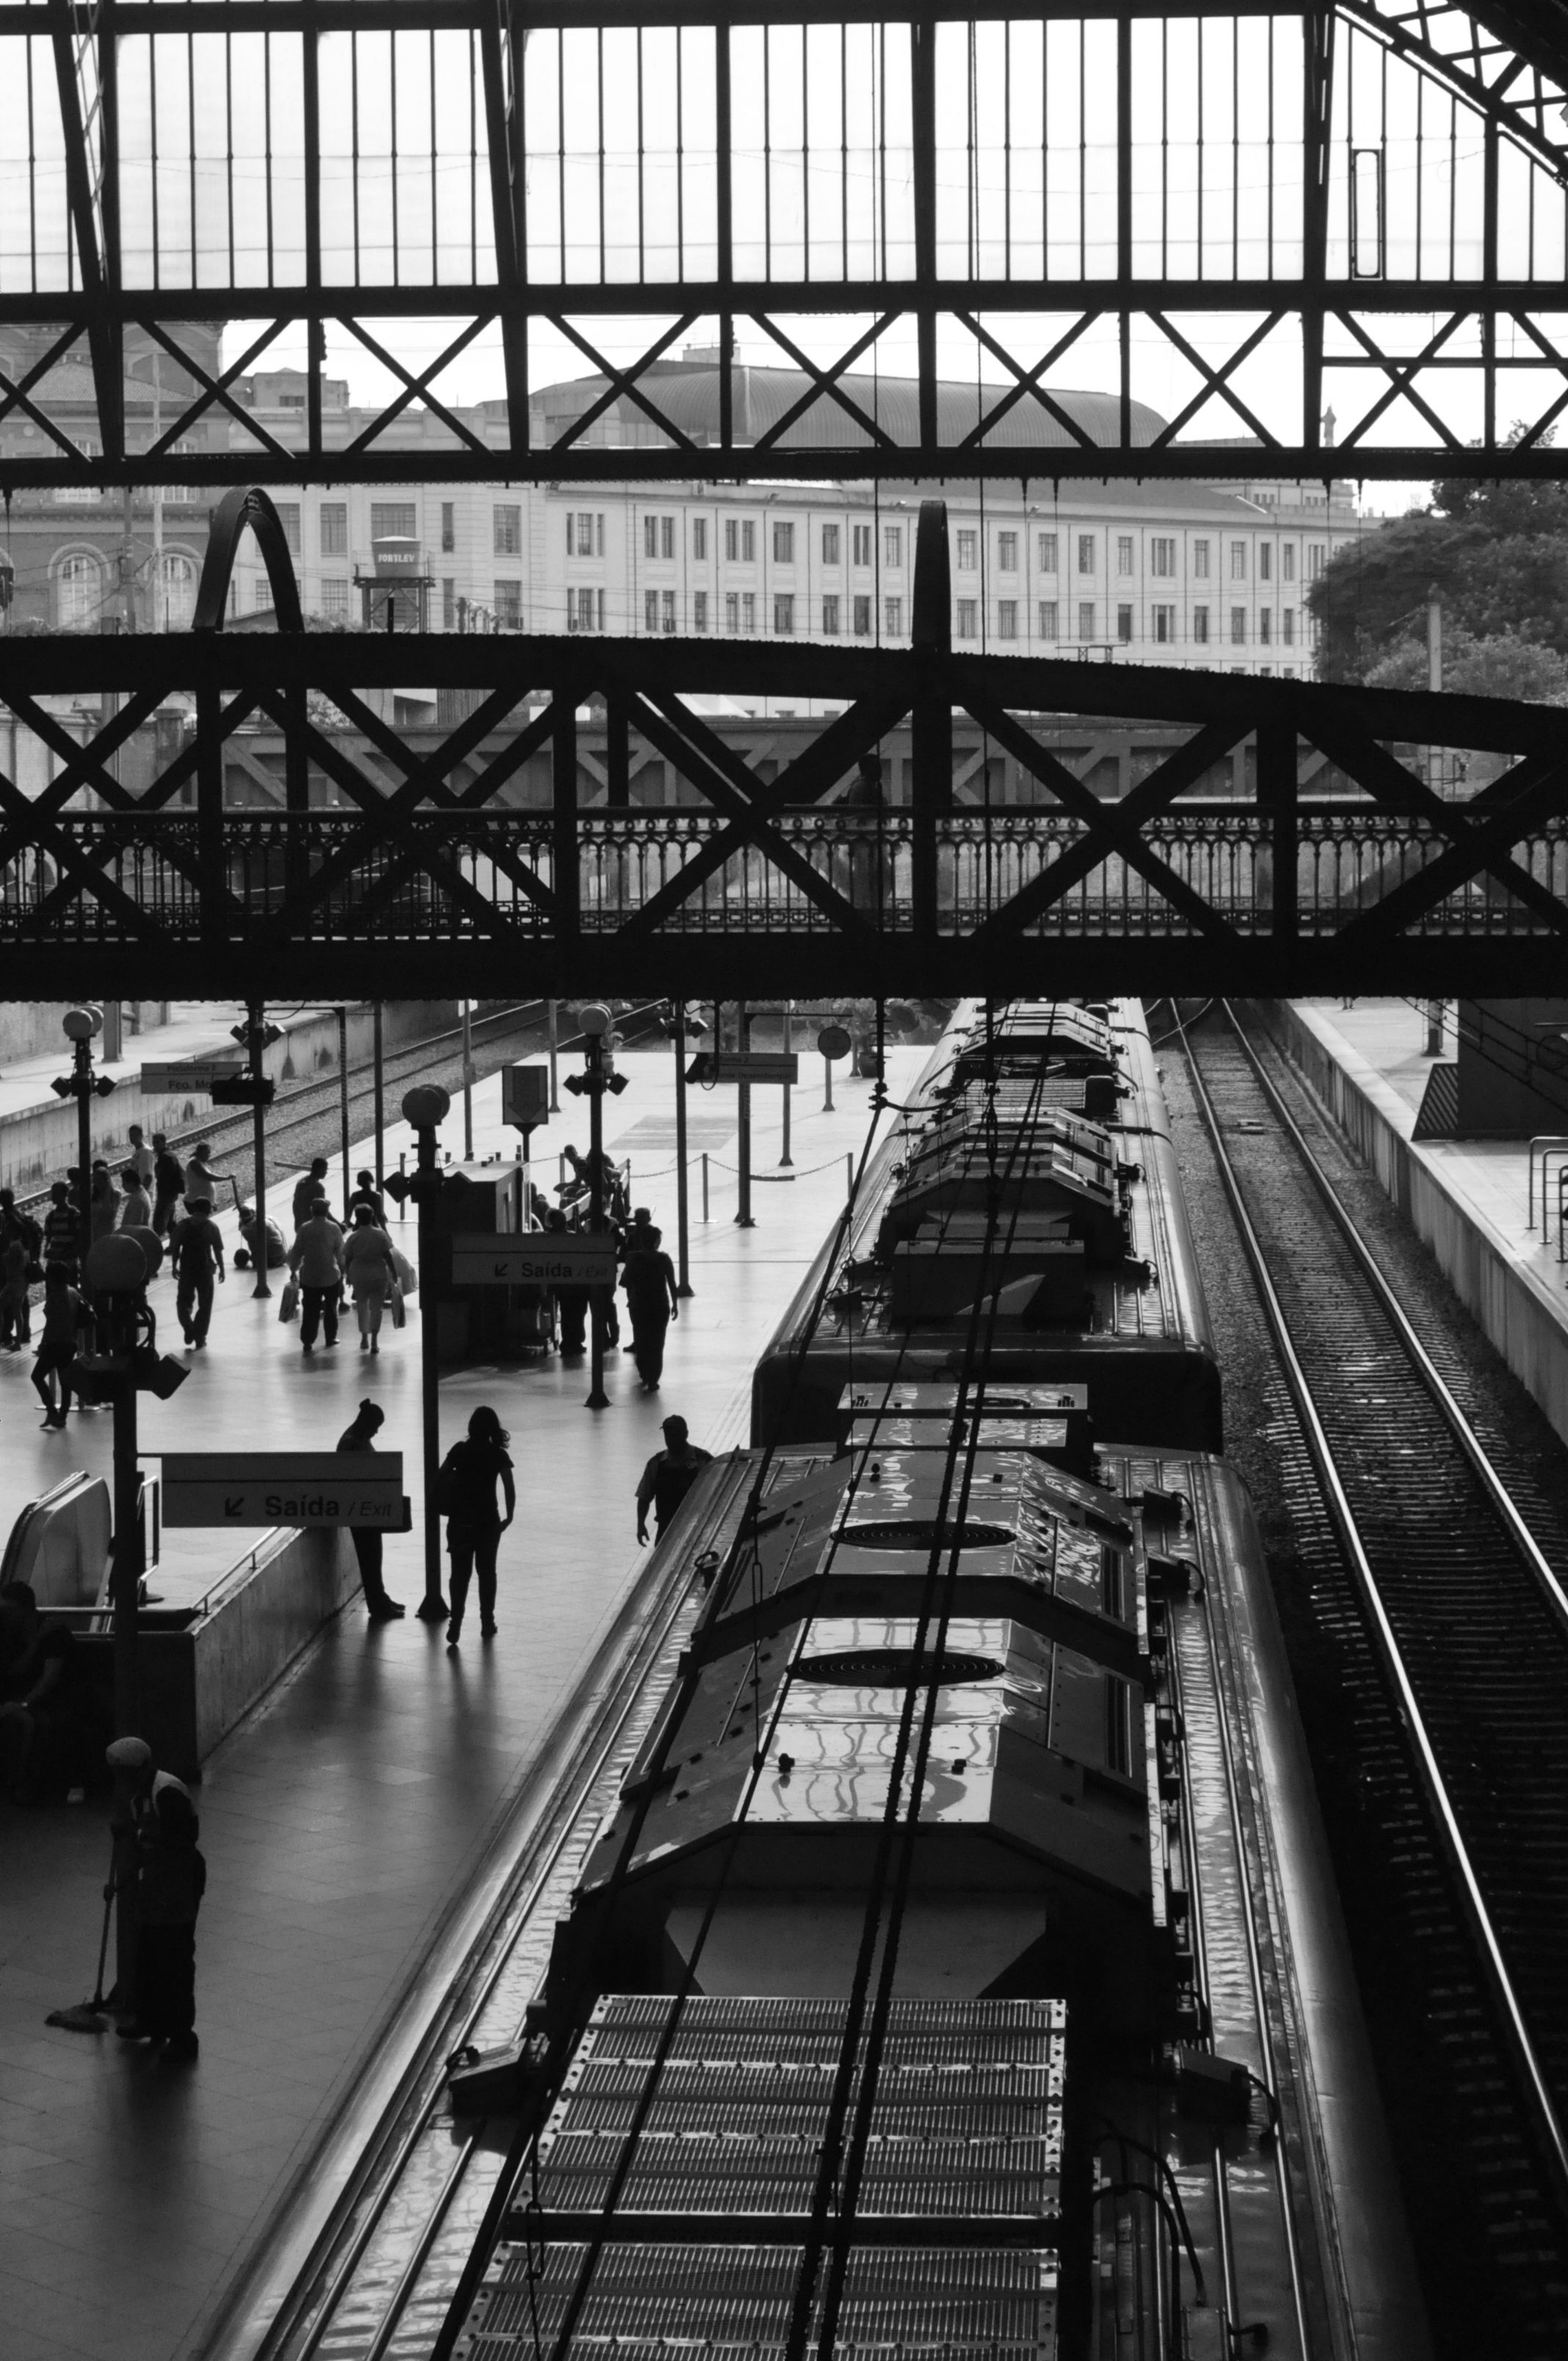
x=467 y=1082
x=423 y=1108
x=704 y=1184
x=380 y=1090
x=343 y=1103
x=256 y=1019
x=593 y=1049
x=552 y=1008
x=83 y=1078
x=784 y=1156
x=683 y=1197
x=826 y=1085
x=126 y=1552
x=849 y=1176
x=743 y=1042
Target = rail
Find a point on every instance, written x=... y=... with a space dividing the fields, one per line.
x=1371 y=1588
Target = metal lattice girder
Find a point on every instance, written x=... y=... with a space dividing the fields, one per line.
x=476 y=855
x=1264 y=216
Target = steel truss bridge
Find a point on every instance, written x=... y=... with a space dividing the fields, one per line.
x=389 y=869
x=1244 y=220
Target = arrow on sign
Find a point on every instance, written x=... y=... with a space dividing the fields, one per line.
x=233 y=1507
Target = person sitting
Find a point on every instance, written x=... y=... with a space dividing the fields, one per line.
x=44 y=1716
x=277 y=1248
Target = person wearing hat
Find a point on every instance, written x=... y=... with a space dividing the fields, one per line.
x=196 y=1250
x=249 y=1229
x=361 y=1437
x=669 y=1476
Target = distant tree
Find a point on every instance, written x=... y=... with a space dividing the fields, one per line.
x=1495 y=553
x=1501 y=666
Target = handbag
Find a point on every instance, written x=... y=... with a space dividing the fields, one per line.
x=408 y=1277
x=288 y=1301
x=396 y=1301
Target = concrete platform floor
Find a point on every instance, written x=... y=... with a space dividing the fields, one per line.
x=343 y=1819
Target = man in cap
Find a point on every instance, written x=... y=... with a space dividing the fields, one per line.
x=668 y=1478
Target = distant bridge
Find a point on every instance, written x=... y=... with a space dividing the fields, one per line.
x=1284 y=836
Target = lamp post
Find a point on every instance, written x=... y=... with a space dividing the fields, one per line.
x=81 y=1027
x=600 y=1076
x=256 y=1037
x=124 y=1361
x=425 y=1107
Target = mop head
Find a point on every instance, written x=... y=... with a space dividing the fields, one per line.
x=83 y=2018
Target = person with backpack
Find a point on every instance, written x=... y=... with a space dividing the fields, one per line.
x=196 y=1250
x=168 y=1183
x=465 y=1497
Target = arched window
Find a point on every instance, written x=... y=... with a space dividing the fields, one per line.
x=80 y=592
x=177 y=592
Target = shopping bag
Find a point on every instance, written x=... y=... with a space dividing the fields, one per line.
x=398 y=1314
x=408 y=1277
x=288 y=1301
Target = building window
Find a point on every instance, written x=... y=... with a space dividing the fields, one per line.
x=289 y=518
x=1123 y=624
x=892 y=616
x=667 y=536
x=1287 y=625
x=862 y=544
x=1289 y=673
x=448 y=604
x=1124 y=553
x=448 y=525
x=334 y=528
x=649 y=610
x=1007 y=619
x=1048 y=628
x=1265 y=625
x=748 y=542
x=261 y=596
x=1287 y=561
x=335 y=595
x=784 y=544
x=699 y=610
x=1201 y=561
x=1048 y=553
x=1201 y=625
x=1238 y=561
x=1238 y=627
x=392 y=521
x=585 y=610
x=1162 y=557
x=1311 y=631
x=1086 y=553
x=1164 y=624
x=579 y=534
x=177 y=592
x=748 y=608
x=1086 y=618
x=830 y=617
x=783 y=612
x=1264 y=562
x=829 y=544
x=508 y=606
x=1007 y=552
x=731 y=610
x=506 y=527
x=893 y=544
x=966 y=554
x=699 y=539
x=650 y=536
x=862 y=616
x=659 y=536
x=732 y=538
x=1315 y=560
x=667 y=612
x=967 y=612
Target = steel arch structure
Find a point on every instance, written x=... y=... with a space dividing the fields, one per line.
x=1267 y=215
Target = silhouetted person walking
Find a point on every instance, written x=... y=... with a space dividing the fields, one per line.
x=196 y=1250
x=652 y=1302
x=466 y=1495
x=316 y=1260
x=668 y=1476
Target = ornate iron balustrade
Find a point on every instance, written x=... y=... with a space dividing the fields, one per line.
x=428 y=869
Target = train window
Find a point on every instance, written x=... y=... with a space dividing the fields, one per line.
x=1112 y=1589
x=1118 y=1727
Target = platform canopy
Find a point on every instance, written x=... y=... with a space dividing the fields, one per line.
x=1330 y=241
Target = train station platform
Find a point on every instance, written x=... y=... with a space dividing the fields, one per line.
x=351 y=1821
x=1470 y=1200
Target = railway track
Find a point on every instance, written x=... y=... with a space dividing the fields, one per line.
x=1442 y=1600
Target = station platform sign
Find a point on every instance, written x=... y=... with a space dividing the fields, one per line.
x=538 y=1259
x=362 y=1488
